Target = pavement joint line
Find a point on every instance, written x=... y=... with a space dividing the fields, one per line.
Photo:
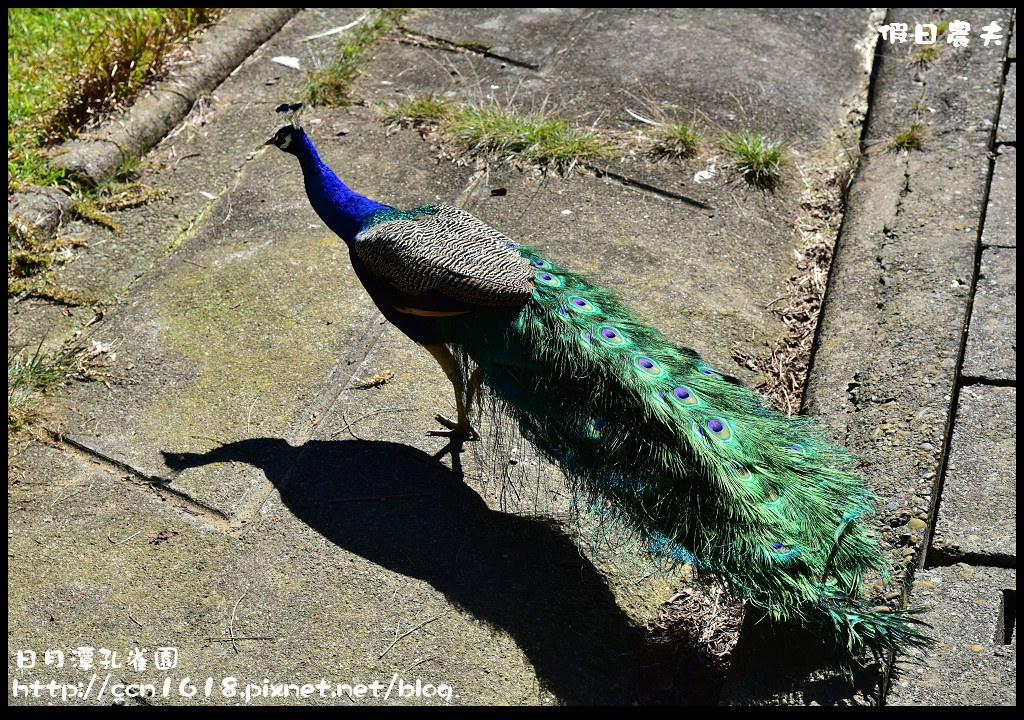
x=971 y=380
x=422 y=39
x=648 y=187
x=159 y=486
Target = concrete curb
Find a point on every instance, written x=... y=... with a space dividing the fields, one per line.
x=95 y=159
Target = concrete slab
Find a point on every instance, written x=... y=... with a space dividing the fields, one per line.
x=500 y=608
x=978 y=509
x=775 y=78
x=992 y=335
x=973 y=662
x=890 y=332
x=1001 y=214
x=659 y=77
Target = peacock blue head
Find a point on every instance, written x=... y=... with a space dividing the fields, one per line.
x=289 y=138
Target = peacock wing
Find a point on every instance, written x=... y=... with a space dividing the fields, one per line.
x=442 y=250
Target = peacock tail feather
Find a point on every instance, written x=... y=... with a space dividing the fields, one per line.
x=701 y=468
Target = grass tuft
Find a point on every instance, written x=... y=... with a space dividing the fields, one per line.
x=418 y=112
x=909 y=138
x=537 y=138
x=758 y=159
x=119 y=62
x=29 y=254
x=31 y=375
x=331 y=85
x=674 y=141
x=926 y=55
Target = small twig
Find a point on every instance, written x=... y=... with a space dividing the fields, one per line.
x=349 y=424
x=410 y=632
x=641 y=119
x=118 y=542
x=130 y=617
x=336 y=30
x=248 y=420
x=231 y=622
x=417 y=664
x=62 y=496
x=175 y=165
x=240 y=637
x=190 y=262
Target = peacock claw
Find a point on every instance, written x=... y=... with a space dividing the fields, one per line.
x=455 y=430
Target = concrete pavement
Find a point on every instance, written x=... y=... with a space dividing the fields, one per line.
x=231 y=490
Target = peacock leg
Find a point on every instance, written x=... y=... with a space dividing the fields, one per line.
x=462 y=429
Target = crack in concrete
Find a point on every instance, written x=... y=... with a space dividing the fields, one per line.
x=154 y=484
x=649 y=187
x=417 y=38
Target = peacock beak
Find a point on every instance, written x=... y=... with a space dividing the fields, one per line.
x=269 y=142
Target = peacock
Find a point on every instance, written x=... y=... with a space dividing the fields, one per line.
x=699 y=468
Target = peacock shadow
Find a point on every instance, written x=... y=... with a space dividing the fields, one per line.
x=399 y=508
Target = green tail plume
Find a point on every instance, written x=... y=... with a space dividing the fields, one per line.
x=696 y=465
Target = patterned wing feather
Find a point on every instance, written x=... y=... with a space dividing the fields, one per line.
x=441 y=249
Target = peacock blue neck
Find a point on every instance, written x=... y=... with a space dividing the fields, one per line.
x=343 y=210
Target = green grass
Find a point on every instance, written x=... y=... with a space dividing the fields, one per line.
x=758 y=159
x=926 y=55
x=331 y=84
x=31 y=375
x=536 y=138
x=909 y=138
x=674 y=141
x=68 y=67
x=418 y=112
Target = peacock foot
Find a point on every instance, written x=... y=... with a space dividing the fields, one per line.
x=456 y=430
